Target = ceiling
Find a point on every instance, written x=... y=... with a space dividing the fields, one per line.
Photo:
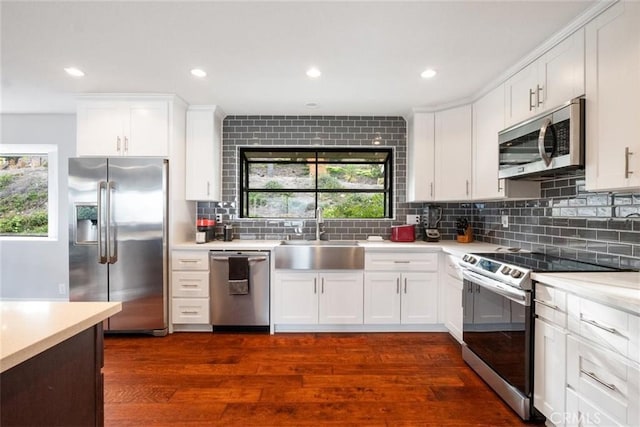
x=256 y=53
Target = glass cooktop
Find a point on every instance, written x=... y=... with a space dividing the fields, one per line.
x=542 y=263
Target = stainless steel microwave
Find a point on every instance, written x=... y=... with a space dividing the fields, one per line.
x=546 y=144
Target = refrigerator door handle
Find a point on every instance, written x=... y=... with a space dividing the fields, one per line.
x=112 y=255
x=102 y=241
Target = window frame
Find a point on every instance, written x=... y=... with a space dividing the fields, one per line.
x=387 y=190
x=51 y=151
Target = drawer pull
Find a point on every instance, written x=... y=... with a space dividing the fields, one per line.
x=402 y=262
x=595 y=378
x=189 y=312
x=189 y=285
x=546 y=304
x=189 y=261
x=598 y=325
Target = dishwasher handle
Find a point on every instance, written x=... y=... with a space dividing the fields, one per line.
x=250 y=259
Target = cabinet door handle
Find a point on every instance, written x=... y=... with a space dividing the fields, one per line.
x=467 y=187
x=322 y=285
x=595 y=378
x=118 y=144
x=531 y=104
x=405 y=285
x=431 y=185
x=315 y=286
x=499 y=187
x=208 y=188
x=398 y=285
x=126 y=145
x=546 y=304
x=539 y=97
x=627 y=153
x=598 y=325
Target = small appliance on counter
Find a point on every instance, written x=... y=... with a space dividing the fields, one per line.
x=228 y=233
x=431 y=216
x=206 y=230
x=464 y=231
x=403 y=233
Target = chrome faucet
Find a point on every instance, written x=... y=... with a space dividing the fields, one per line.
x=319 y=221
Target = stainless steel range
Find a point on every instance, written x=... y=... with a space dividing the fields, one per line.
x=498 y=322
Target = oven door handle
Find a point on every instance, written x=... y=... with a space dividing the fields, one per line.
x=515 y=295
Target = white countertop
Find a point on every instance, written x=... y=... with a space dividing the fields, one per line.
x=619 y=290
x=28 y=328
x=449 y=246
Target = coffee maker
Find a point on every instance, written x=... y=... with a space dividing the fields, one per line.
x=431 y=216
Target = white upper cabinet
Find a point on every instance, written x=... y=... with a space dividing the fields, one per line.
x=420 y=157
x=204 y=153
x=452 y=154
x=612 y=91
x=116 y=125
x=551 y=80
x=488 y=120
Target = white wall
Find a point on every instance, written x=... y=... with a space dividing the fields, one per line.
x=34 y=269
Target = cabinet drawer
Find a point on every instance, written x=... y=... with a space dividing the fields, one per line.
x=190 y=260
x=581 y=413
x=401 y=261
x=551 y=304
x=604 y=378
x=190 y=284
x=613 y=329
x=190 y=310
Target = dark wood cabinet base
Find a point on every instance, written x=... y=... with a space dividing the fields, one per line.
x=62 y=386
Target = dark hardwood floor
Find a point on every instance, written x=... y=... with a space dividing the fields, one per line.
x=189 y=379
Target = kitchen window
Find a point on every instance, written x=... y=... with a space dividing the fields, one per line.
x=345 y=183
x=28 y=178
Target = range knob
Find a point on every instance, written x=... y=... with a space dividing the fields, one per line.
x=472 y=260
x=465 y=258
x=516 y=273
x=505 y=270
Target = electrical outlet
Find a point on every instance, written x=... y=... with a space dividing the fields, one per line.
x=62 y=288
x=218 y=217
x=505 y=221
x=413 y=219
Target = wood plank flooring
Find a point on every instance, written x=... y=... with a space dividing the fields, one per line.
x=189 y=379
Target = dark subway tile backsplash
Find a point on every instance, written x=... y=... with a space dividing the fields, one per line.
x=566 y=221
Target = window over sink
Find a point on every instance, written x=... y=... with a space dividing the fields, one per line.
x=293 y=183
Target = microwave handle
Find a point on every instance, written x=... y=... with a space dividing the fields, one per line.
x=541 y=136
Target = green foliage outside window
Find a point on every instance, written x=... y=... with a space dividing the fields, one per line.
x=345 y=183
x=24 y=195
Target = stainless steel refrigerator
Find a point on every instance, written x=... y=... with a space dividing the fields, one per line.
x=118 y=239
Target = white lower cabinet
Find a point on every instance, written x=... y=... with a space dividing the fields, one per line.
x=318 y=297
x=586 y=367
x=400 y=288
x=190 y=290
x=550 y=352
x=452 y=286
x=406 y=298
x=605 y=385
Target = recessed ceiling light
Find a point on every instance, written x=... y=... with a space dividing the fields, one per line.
x=313 y=73
x=198 y=72
x=428 y=73
x=312 y=105
x=75 y=72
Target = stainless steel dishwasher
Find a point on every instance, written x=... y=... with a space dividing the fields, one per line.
x=239 y=285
